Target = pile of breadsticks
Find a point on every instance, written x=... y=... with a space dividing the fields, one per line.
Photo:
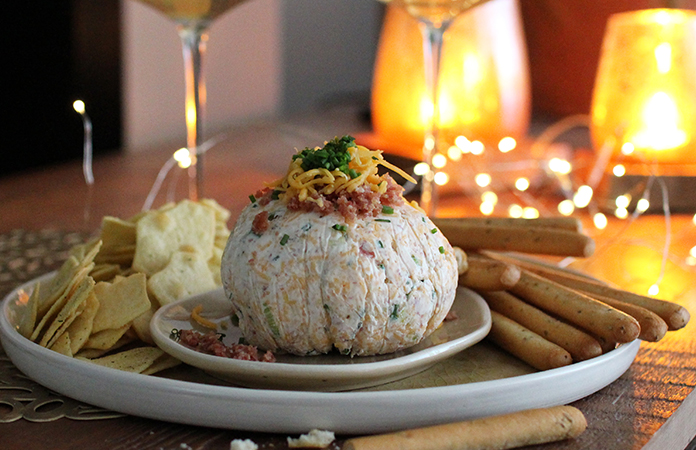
x=545 y=315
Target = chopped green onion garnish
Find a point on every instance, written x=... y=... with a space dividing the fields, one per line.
x=387 y=209
x=395 y=312
x=284 y=239
x=341 y=228
x=382 y=220
x=252 y=198
x=434 y=230
x=442 y=249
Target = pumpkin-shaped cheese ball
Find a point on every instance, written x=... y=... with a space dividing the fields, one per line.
x=357 y=269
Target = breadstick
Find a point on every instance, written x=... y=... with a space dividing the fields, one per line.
x=589 y=314
x=531 y=427
x=527 y=345
x=540 y=267
x=486 y=274
x=676 y=316
x=652 y=327
x=580 y=345
x=525 y=239
x=462 y=260
x=560 y=222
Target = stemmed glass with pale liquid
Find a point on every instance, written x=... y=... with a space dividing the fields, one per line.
x=193 y=17
x=434 y=17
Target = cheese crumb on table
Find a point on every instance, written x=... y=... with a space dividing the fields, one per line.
x=314 y=439
x=246 y=444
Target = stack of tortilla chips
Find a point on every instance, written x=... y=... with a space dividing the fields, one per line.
x=99 y=304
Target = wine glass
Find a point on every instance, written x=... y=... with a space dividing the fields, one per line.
x=193 y=17
x=434 y=17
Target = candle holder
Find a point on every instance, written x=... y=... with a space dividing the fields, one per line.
x=643 y=119
x=484 y=93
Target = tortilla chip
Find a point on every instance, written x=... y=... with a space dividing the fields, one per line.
x=107 y=339
x=160 y=233
x=69 y=312
x=133 y=360
x=215 y=264
x=186 y=274
x=120 y=301
x=28 y=319
x=162 y=363
x=141 y=325
x=62 y=345
x=78 y=286
x=105 y=271
x=81 y=327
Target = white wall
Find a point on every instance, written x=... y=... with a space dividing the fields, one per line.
x=265 y=58
x=243 y=71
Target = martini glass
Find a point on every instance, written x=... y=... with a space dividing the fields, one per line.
x=434 y=17
x=193 y=18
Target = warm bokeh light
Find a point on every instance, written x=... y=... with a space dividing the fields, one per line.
x=454 y=153
x=619 y=170
x=183 y=157
x=483 y=179
x=515 y=210
x=522 y=184
x=507 y=144
x=654 y=290
x=627 y=148
x=441 y=178
x=583 y=196
x=439 y=160
x=600 y=221
x=621 y=213
x=476 y=148
x=566 y=207
x=560 y=166
x=622 y=201
x=530 y=212
x=489 y=197
x=421 y=169
x=487 y=208
x=79 y=106
x=642 y=205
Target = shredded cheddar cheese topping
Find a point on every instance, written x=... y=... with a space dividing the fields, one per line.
x=358 y=167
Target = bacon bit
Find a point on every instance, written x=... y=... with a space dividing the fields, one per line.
x=451 y=315
x=195 y=315
x=210 y=344
x=260 y=223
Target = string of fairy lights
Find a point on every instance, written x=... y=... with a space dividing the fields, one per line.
x=576 y=197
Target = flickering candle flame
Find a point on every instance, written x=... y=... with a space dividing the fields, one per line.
x=660 y=129
x=79 y=107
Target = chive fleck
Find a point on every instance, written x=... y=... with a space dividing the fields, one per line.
x=382 y=220
x=434 y=230
x=284 y=239
x=275 y=195
x=341 y=228
x=387 y=209
x=381 y=244
x=442 y=250
x=395 y=312
x=252 y=198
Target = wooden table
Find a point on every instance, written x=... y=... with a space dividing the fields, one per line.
x=42 y=213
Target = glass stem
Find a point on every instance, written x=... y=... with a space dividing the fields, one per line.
x=193 y=40
x=433 y=34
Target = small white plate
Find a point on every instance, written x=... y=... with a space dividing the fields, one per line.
x=331 y=372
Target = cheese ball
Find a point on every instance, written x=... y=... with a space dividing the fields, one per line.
x=312 y=282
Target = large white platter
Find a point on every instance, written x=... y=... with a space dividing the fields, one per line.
x=331 y=372
x=205 y=403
